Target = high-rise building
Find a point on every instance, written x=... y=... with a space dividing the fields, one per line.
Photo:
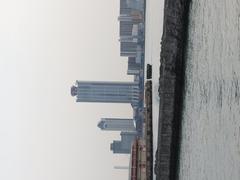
x=126 y=6
x=123 y=146
x=135 y=4
x=125 y=28
x=124 y=9
x=133 y=67
x=117 y=124
x=128 y=49
x=119 y=148
x=135 y=17
x=106 y=92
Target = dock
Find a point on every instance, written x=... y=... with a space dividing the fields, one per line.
x=171 y=83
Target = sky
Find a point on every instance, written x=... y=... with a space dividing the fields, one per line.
x=45 y=46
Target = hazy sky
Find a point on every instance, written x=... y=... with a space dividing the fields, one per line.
x=45 y=45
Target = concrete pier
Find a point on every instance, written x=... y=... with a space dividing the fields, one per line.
x=171 y=87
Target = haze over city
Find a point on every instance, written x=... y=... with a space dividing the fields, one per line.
x=45 y=47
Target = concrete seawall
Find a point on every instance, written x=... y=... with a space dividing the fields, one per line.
x=171 y=88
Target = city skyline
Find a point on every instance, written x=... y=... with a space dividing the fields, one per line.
x=132 y=35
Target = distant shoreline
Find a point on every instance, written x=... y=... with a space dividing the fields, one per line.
x=171 y=84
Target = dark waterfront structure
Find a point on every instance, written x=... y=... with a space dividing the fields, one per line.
x=123 y=146
x=117 y=124
x=149 y=71
x=171 y=88
x=106 y=92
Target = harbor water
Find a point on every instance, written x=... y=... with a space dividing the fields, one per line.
x=210 y=142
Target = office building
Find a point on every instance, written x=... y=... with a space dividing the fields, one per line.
x=117 y=124
x=106 y=92
x=125 y=28
x=135 y=4
x=129 y=49
x=133 y=67
x=124 y=9
x=123 y=146
x=126 y=6
x=134 y=16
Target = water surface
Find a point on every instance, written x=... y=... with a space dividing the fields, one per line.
x=210 y=147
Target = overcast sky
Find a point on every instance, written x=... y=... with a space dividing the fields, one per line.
x=45 y=45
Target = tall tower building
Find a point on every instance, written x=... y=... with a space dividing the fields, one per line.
x=133 y=67
x=123 y=146
x=117 y=124
x=106 y=92
x=124 y=9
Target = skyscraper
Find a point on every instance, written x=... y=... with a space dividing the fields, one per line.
x=124 y=9
x=133 y=67
x=128 y=49
x=125 y=28
x=123 y=146
x=117 y=124
x=106 y=92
